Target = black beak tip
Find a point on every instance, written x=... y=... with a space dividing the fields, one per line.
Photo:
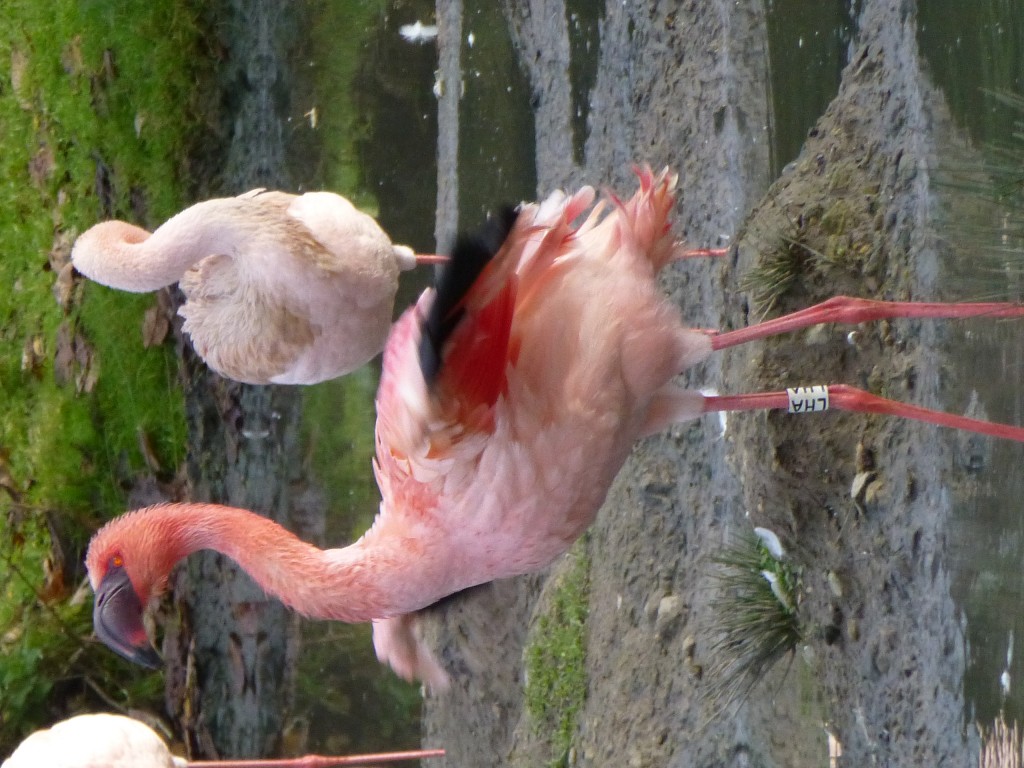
x=146 y=656
x=117 y=620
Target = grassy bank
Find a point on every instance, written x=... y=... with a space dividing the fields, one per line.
x=95 y=121
x=555 y=657
x=99 y=115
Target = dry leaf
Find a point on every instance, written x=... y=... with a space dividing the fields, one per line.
x=60 y=251
x=42 y=164
x=19 y=66
x=71 y=57
x=83 y=352
x=86 y=381
x=12 y=636
x=64 y=286
x=74 y=360
x=81 y=595
x=6 y=478
x=32 y=353
x=54 y=585
x=148 y=451
x=55 y=565
x=155 y=327
x=64 y=355
x=88 y=371
x=109 y=68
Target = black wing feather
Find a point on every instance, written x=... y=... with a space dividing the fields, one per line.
x=469 y=256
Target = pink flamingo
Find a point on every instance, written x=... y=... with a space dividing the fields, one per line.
x=279 y=288
x=104 y=740
x=510 y=397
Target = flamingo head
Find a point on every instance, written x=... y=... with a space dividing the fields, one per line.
x=128 y=562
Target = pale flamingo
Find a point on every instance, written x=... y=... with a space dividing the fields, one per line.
x=509 y=399
x=279 y=288
x=114 y=741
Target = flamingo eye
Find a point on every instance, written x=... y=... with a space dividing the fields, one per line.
x=116 y=562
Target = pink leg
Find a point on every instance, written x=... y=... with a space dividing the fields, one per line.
x=846 y=398
x=319 y=761
x=430 y=258
x=696 y=253
x=845 y=309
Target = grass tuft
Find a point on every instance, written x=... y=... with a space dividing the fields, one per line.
x=779 y=269
x=755 y=625
x=1001 y=747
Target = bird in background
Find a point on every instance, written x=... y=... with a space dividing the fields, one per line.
x=279 y=288
x=418 y=32
x=94 y=741
x=104 y=740
x=510 y=397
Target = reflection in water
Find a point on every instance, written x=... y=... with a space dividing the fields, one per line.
x=346 y=700
x=584 y=18
x=976 y=54
x=988 y=532
x=496 y=140
x=397 y=153
x=975 y=50
x=808 y=43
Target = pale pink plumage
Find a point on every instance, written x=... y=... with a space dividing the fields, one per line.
x=115 y=741
x=505 y=483
x=279 y=288
x=94 y=741
x=511 y=477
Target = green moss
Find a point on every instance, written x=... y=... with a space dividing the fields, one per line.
x=96 y=85
x=555 y=657
x=335 y=70
x=838 y=218
x=94 y=91
x=338 y=422
x=819 y=228
x=840 y=177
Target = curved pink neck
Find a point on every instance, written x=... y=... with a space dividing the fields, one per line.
x=373 y=578
x=129 y=258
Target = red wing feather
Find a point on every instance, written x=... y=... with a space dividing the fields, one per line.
x=478 y=353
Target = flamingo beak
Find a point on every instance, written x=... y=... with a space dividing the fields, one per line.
x=117 y=619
